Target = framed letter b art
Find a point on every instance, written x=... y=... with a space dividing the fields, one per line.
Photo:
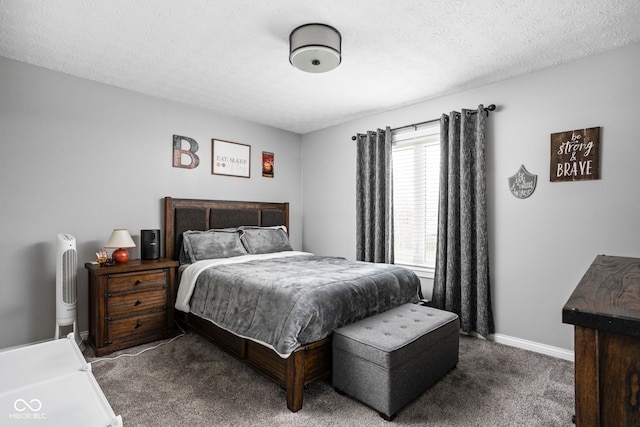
x=230 y=158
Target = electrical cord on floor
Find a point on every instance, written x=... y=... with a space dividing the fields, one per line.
x=102 y=359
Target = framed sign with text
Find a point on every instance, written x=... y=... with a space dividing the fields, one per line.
x=575 y=155
x=230 y=158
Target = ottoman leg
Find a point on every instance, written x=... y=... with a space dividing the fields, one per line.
x=387 y=417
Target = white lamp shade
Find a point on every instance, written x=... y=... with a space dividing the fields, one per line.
x=315 y=48
x=120 y=238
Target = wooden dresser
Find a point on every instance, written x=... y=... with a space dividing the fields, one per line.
x=605 y=309
x=130 y=303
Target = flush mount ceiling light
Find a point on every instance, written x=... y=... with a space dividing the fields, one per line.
x=315 y=48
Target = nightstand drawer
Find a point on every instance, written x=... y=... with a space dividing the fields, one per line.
x=128 y=303
x=125 y=282
x=136 y=325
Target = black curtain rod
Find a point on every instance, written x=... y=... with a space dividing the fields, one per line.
x=491 y=107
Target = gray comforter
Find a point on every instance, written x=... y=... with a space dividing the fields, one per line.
x=286 y=302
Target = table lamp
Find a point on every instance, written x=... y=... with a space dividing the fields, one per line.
x=120 y=239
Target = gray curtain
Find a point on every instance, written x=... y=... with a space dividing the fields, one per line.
x=374 y=213
x=461 y=283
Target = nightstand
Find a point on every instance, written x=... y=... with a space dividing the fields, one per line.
x=130 y=303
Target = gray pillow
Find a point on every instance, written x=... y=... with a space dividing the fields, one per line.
x=265 y=240
x=212 y=244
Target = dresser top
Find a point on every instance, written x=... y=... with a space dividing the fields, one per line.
x=607 y=297
x=130 y=266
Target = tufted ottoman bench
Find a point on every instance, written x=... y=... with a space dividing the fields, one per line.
x=389 y=359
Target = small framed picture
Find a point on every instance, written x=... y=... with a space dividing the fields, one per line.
x=267 y=164
x=230 y=158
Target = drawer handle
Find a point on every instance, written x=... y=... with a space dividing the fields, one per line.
x=138 y=302
x=138 y=324
x=138 y=282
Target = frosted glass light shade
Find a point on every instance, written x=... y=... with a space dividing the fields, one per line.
x=315 y=48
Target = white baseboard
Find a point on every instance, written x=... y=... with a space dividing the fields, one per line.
x=560 y=353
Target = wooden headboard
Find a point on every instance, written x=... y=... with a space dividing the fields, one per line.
x=192 y=214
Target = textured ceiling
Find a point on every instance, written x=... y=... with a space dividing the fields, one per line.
x=232 y=56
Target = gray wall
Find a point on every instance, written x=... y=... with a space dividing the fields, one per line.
x=540 y=246
x=83 y=158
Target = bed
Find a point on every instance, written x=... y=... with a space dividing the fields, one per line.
x=232 y=298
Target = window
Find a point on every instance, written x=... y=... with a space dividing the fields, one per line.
x=416 y=176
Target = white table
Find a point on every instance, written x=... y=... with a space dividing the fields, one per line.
x=51 y=384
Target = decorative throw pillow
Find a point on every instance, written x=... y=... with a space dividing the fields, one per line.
x=265 y=240
x=212 y=244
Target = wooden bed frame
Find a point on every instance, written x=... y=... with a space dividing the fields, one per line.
x=309 y=363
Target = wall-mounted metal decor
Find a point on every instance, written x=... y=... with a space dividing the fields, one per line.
x=184 y=157
x=575 y=155
x=523 y=183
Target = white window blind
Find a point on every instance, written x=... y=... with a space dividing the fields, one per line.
x=416 y=176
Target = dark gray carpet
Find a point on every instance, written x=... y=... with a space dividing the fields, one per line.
x=191 y=382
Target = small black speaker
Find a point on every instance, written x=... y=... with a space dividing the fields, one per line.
x=150 y=244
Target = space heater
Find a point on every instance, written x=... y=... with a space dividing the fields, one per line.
x=66 y=286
